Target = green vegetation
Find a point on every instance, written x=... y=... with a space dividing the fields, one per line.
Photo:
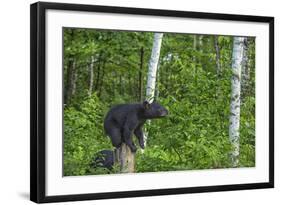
x=104 y=68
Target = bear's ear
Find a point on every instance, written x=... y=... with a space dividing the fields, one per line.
x=146 y=105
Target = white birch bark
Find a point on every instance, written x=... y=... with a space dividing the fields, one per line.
x=153 y=64
x=237 y=60
x=152 y=72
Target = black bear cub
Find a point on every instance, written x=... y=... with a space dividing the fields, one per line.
x=122 y=121
x=105 y=159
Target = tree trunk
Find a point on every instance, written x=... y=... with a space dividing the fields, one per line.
x=152 y=71
x=68 y=80
x=198 y=48
x=69 y=74
x=74 y=79
x=101 y=78
x=237 y=57
x=153 y=64
x=127 y=159
x=134 y=96
x=245 y=76
x=71 y=81
x=98 y=72
x=113 y=83
x=202 y=44
x=218 y=66
x=217 y=48
x=91 y=77
x=195 y=52
x=120 y=85
x=194 y=42
x=140 y=75
x=130 y=89
x=116 y=155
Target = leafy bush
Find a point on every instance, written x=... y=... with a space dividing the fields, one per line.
x=83 y=136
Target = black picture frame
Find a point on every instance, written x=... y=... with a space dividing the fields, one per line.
x=38 y=103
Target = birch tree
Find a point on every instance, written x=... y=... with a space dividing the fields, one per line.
x=127 y=158
x=237 y=59
x=152 y=71
x=153 y=64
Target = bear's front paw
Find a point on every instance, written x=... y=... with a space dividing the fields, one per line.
x=142 y=145
x=133 y=149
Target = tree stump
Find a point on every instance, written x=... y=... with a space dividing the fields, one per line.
x=126 y=159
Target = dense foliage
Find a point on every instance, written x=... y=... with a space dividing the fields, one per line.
x=104 y=68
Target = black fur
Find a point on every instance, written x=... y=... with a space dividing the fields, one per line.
x=122 y=121
x=104 y=158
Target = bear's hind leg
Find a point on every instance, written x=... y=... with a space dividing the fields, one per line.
x=115 y=136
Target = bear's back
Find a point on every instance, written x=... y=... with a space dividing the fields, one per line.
x=118 y=113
